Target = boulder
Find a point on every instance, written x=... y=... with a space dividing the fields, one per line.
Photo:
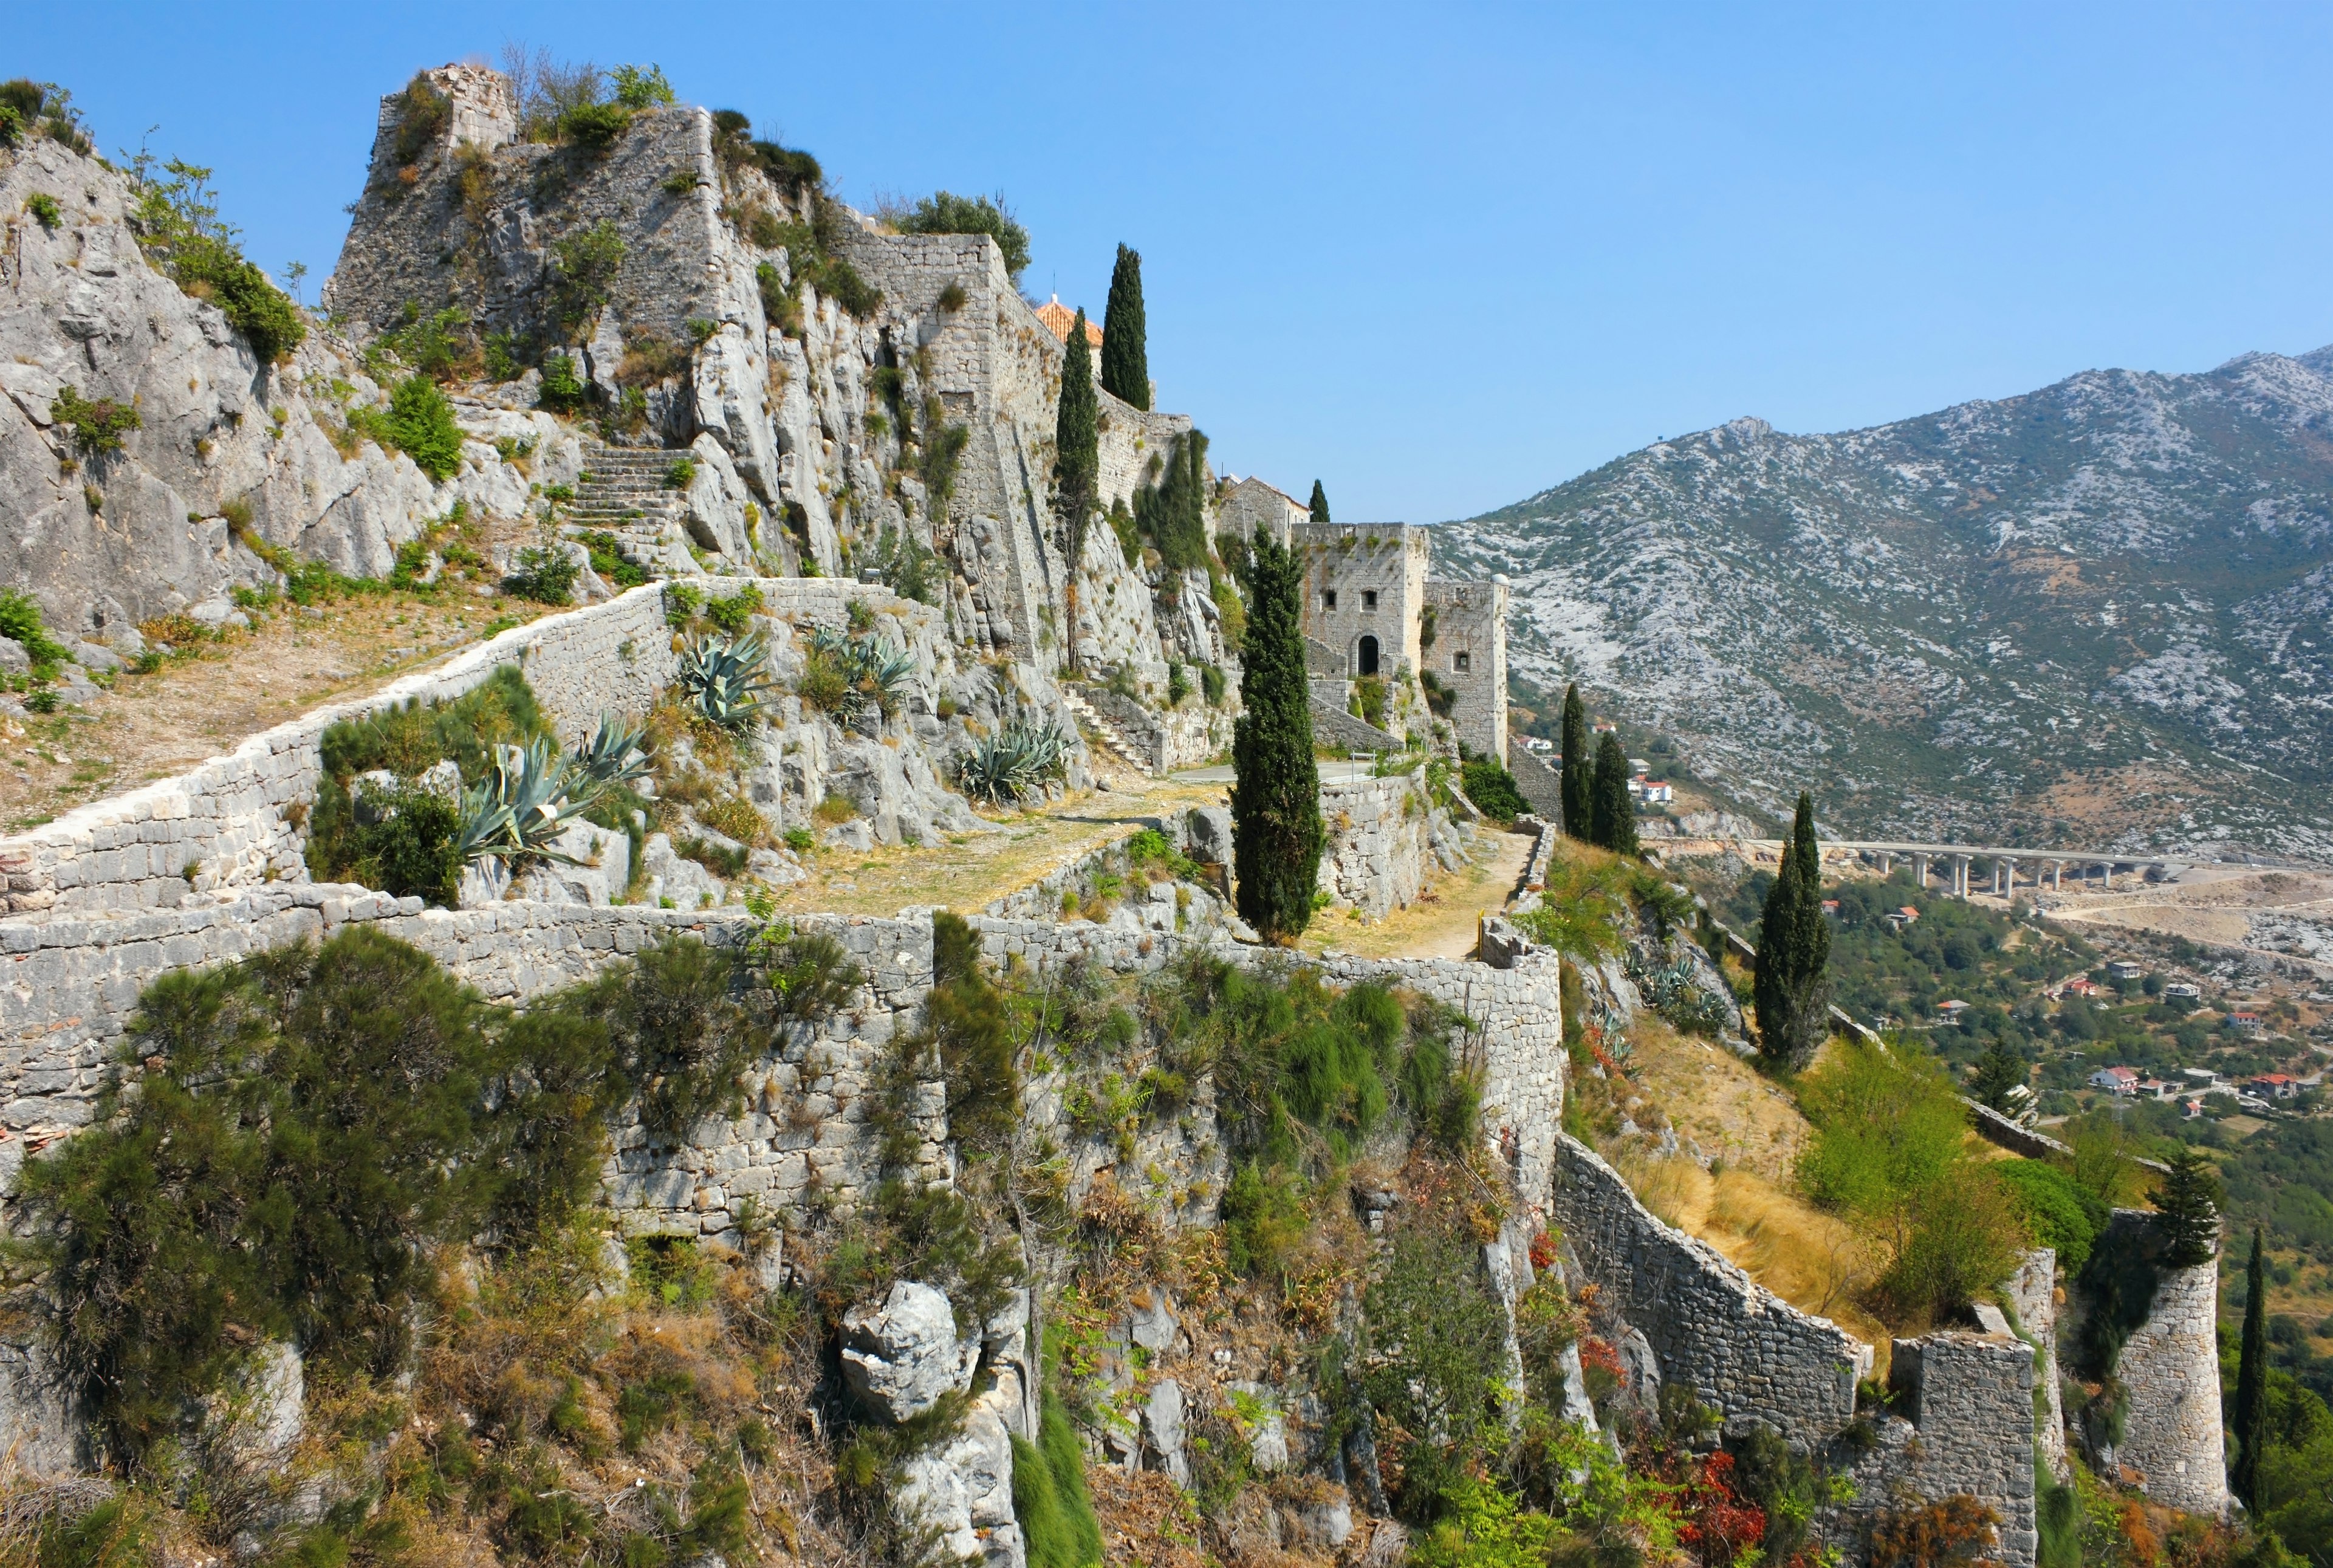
x=901 y=1357
x=1162 y=1430
x=1211 y=835
x=716 y=503
x=962 y=1490
x=1153 y=1325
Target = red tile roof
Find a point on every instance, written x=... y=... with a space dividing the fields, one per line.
x=1059 y=318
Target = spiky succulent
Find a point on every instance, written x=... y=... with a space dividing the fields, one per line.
x=614 y=754
x=872 y=670
x=519 y=813
x=724 y=678
x=1001 y=768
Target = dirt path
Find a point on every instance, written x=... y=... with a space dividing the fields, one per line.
x=969 y=870
x=1441 y=922
x=202 y=704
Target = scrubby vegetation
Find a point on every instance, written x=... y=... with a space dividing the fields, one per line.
x=515 y=790
x=178 y=226
x=946 y=213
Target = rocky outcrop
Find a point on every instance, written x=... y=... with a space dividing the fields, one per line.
x=900 y=1359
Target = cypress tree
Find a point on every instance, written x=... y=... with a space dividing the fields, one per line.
x=1999 y=1072
x=1611 y=817
x=1277 y=832
x=1077 y=462
x=1576 y=811
x=1319 y=502
x=2251 y=1381
x=1173 y=512
x=1124 y=339
x=1792 y=994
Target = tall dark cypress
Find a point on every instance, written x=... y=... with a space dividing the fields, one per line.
x=1125 y=339
x=2251 y=1381
x=1611 y=815
x=1319 y=502
x=1276 y=828
x=1792 y=990
x=1077 y=463
x=1578 y=813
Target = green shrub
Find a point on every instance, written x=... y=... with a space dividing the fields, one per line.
x=44 y=210
x=543 y=574
x=639 y=89
x=1428 y=1357
x=423 y=115
x=595 y=127
x=1492 y=789
x=27 y=107
x=680 y=475
x=584 y=265
x=409 y=848
x=609 y=562
x=562 y=391
x=1211 y=684
x=421 y=423
x=789 y=169
x=734 y=614
x=406 y=741
x=313 y=1121
x=780 y=304
x=2059 y=1214
x=20 y=619
x=97 y=426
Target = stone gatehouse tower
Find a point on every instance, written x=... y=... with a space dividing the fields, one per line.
x=1370 y=610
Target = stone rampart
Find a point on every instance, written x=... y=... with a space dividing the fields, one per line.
x=1332 y=725
x=2032 y=1294
x=1741 y=1348
x=1379 y=841
x=236 y=821
x=1970 y=1399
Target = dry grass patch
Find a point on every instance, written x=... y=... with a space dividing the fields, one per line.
x=1816 y=1262
x=1727 y=1108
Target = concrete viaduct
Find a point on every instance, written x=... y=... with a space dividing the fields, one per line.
x=1952 y=863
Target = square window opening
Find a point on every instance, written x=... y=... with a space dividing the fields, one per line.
x=1461 y=661
x=1327 y=599
x=1368 y=599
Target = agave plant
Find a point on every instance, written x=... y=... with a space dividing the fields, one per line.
x=872 y=670
x=614 y=754
x=724 y=677
x=520 y=811
x=1001 y=768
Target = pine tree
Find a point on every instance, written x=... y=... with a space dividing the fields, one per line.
x=1124 y=339
x=2187 y=1209
x=1999 y=1071
x=1792 y=991
x=1611 y=815
x=2251 y=1381
x=1576 y=810
x=1077 y=463
x=1319 y=502
x=1277 y=832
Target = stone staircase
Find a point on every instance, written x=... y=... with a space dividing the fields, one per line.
x=1098 y=726
x=623 y=493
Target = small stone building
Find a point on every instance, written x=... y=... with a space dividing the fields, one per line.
x=1370 y=610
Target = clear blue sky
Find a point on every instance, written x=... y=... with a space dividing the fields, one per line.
x=1439 y=256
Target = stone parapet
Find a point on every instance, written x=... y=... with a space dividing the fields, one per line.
x=1752 y=1356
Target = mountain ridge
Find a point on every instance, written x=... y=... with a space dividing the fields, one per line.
x=2090 y=614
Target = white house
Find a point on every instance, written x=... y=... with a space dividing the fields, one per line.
x=2116 y=1079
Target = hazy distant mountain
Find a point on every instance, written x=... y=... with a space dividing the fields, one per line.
x=2098 y=613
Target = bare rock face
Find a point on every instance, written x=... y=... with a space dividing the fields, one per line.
x=901 y=1357
x=104 y=539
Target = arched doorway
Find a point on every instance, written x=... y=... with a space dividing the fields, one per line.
x=1366 y=656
